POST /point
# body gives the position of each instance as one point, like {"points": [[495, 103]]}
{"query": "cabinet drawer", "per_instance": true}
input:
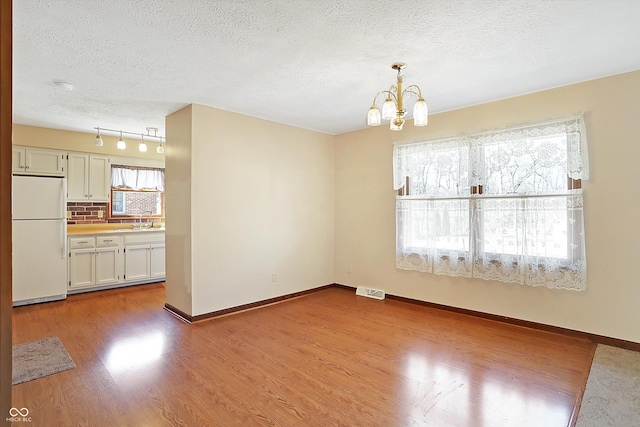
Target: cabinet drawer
{"points": [[144, 238], [104, 241], [82, 242]]}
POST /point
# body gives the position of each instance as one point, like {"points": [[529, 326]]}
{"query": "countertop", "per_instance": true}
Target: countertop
{"points": [[83, 229]]}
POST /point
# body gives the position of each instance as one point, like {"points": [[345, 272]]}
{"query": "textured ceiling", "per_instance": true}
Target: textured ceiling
{"points": [[312, 64]]}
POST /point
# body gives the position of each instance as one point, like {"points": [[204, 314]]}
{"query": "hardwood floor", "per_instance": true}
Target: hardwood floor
{"points": [[326, 359]]}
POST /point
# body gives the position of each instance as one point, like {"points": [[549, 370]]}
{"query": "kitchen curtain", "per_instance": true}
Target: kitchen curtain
{"points": [[503, 205], [137, 178]]}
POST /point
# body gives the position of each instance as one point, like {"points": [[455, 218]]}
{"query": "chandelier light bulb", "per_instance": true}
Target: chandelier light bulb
{"points": [[373, 118], [389, 109], [420, 113]]}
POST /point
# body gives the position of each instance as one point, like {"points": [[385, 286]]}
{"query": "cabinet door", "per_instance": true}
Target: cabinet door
{"points": [[157, 261], [136, 262], [99, 178], [78, 177], [81, 268], [44, 162], [18, 164], [107, 266]]}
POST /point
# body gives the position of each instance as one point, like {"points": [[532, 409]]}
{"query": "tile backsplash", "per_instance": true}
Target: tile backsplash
{"points": [[96, 213]]}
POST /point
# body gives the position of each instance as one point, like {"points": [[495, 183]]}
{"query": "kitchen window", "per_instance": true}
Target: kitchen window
{"points": [[503, 205], [136, 190]]}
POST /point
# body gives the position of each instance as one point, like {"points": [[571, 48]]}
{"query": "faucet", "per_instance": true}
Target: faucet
{"points": [[142, 213]]}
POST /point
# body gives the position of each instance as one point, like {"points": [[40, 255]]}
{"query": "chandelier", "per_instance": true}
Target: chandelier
{"points": [[393, 107]]}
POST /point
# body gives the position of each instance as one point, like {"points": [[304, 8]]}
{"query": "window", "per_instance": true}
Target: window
{"points": [[136, 190], [126, 203], [118, 203], [504, 205]]}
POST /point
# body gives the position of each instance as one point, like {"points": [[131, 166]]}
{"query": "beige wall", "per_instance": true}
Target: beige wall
{"points": [[178, 186], [32, 136], [262, 203], [365, 216]]}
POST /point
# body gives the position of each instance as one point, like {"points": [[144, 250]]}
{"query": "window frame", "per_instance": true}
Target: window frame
{"points": [[131, 186]]}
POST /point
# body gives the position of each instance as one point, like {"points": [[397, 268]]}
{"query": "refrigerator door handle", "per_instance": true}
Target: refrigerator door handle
{"points": [[63, 197], [63, 223], [63, 217]]}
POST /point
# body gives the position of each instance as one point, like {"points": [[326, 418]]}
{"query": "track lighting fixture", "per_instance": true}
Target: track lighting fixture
{"points": [[142, 147]]}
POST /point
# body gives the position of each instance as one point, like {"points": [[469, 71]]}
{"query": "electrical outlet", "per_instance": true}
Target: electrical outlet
{"points": [[68, 214], [100, 214], [349, 269], [274, 277]]}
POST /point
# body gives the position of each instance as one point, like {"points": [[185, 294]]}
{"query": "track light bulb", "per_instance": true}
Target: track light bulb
{"points": [[98, 141], [121, 145]]}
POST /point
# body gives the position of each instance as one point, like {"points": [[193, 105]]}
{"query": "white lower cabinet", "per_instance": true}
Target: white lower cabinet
{"points": [[82, 264], [94, 261], [144, 256], [137, 262], [108, 265], [111, 260], [157, 268]]}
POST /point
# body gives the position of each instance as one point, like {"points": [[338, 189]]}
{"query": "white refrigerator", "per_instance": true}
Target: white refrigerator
{"points": [[39, 239]]}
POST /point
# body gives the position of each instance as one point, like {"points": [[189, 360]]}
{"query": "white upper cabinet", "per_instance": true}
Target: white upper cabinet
{"points": [[38, 161], [99, 178], [78, 177], [88, 177]]}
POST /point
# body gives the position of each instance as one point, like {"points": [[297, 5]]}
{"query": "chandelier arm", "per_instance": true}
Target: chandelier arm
{"points": [[388, 92], [409, 90]]}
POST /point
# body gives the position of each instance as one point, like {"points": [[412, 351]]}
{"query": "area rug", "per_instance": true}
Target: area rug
{"points": [[612, 395], [38, 359]]}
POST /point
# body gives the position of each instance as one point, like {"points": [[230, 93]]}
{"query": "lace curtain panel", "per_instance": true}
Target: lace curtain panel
{"points": [[137, 179], [504, 205]]}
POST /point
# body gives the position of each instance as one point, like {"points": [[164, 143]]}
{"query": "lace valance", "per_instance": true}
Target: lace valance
{"points": [[539, 141]]}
